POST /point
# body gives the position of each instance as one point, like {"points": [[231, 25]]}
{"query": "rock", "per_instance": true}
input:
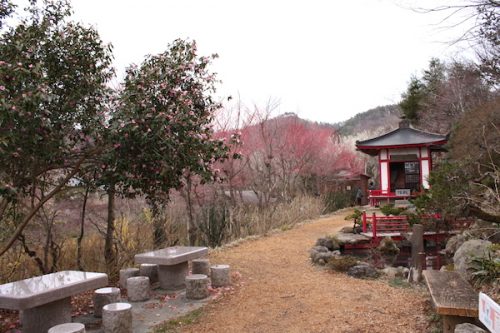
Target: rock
{"points": [[474, 248], [468, 328], [363, 271], [454, 243], [329, 242], [347, 230], [321, 262], [325, 256], [391, 272], [320, 248]]}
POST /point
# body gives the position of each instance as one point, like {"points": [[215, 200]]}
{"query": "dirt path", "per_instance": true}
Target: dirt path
{"points": [[282, 291]]}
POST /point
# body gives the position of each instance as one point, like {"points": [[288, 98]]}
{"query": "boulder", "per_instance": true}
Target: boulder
{"points": [[469, 250], [468, 328], [363, 271], [390, 272], [329, 242], [347, 230], [454, 243]]}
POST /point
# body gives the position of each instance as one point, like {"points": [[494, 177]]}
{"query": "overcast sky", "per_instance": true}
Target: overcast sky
{"points": [[324, 60]]}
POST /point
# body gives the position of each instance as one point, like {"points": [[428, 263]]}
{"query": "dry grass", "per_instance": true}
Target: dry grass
{"points": [[134, 232]]}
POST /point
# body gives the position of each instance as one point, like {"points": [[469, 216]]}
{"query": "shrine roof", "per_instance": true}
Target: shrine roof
{"points": [[404, 136]]}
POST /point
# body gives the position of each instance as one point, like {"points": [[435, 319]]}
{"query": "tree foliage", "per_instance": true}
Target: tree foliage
{"points": [[53, 76]]}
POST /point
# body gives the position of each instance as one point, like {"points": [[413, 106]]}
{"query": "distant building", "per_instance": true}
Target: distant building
{"points": [[405, 161]]}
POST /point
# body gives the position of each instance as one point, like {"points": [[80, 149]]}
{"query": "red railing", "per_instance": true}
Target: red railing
{"points": [[375, 196], [377, 224]]}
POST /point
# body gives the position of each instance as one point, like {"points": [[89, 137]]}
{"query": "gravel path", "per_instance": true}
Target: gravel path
{"points": [[281, 291]]}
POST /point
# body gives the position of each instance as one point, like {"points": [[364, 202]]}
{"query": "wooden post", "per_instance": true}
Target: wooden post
{"points": [[364, 221], [374, 226]]}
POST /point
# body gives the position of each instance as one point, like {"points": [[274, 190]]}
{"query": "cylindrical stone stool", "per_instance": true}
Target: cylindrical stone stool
{"points": [[138, 288], [117, 318], [201, 266], [196, 286], [220, 275], [104, 296], [149, 270], [68, 328], [125, 274]]}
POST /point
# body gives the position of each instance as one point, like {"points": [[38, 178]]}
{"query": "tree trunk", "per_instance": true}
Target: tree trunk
{"points": [[191, 228], [109, 252], [159, 235], [79, 240]]}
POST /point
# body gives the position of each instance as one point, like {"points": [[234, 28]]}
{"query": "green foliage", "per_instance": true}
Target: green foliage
{"points": [[388, 247], [399, 283], [214, 223], [162, 129], [412, 99], [485, 269], [391, 210], [336, 200], [356, 217], [342, 264]]}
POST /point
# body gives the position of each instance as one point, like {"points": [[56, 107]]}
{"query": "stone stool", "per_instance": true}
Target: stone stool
{"points": [[196, 286], [138, 288], [104, 296], [117, 318], [68, 328], [149, 270], [201, 266], [125, 274], [220, 276]]}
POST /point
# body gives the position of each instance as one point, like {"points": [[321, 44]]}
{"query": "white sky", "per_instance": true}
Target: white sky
{"points": [[324, 60]]}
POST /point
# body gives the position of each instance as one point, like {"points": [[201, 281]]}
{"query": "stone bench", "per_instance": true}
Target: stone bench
{"points": [[173, 264], [68, 328], [117, 318], [104, 296], [127, 273], [197, 286], [45, 301], [138, 288], [453, 298], [219, 274]]}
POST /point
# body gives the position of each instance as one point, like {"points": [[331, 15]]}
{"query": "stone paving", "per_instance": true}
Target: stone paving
{"points": [[162, 307]]}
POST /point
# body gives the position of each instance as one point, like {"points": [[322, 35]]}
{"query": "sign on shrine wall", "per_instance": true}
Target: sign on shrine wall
{"points": [[404, 192], [489, 313]]}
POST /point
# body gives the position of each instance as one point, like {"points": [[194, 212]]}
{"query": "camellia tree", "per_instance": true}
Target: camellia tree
{"points": [[53, 76], [161, 131]]}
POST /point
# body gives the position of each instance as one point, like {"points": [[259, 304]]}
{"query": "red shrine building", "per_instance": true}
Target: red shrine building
{"points": [[405, 161]]}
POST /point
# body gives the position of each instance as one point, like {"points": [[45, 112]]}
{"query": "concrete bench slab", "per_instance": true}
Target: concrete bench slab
{"points": [[46, 300], [172, 263]]}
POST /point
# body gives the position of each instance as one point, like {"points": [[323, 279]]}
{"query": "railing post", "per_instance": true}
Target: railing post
{"points": [[364, 221], [374, 226]]}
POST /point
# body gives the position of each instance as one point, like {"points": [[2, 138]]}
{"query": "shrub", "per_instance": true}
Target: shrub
{"points": [[342, 264], [356, 218], [388, 247], [391, 210], [485, 270]]}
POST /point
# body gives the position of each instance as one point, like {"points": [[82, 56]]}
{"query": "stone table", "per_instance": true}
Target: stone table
{"points": [[172, 263], [46, 300]]}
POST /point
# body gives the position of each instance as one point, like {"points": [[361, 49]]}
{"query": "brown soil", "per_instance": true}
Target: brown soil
{"points": [[281, 291]]}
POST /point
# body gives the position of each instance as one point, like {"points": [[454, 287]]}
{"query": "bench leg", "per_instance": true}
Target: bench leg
{"points": [[43, 317], [449, 322], [173, 277]]}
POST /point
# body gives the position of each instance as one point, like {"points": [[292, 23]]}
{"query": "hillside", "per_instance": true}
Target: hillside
{"points": [[379, 119]]}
